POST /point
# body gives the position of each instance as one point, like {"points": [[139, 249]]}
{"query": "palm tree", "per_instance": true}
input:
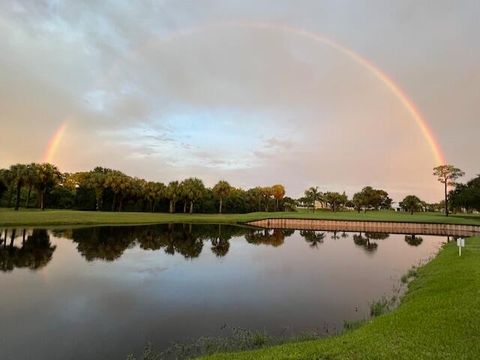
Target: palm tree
{"points": [[118, 182], [193, 190], [267, 193], [173, 193], [152, 194], [30, 180], [158, 193], [312, 195], [96, 180], [254, 198], [47, 176], [127, 188], [18, 172], [138, 191], [183, 194], [221, 190], [278, 191]]}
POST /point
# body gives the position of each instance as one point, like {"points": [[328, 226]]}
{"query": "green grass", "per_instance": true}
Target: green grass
{"points": [[439, 318], [9, 217]]}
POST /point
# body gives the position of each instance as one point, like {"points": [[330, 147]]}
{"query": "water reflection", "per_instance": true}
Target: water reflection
{"points": [[368, 241], [109, 243], [34, 251], [413, 240], [314, 238], [275, 237], [118, 288]]}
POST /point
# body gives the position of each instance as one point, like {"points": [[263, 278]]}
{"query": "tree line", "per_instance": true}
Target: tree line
{"points": [[106, 189], [103, 189], [367, 199]]}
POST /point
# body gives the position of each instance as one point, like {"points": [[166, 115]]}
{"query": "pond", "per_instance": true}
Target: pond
{"points": [[105, 292]]}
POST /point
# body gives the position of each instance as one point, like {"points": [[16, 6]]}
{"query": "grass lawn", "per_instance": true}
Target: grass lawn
{"points": [[9, 217], [439, 318]]}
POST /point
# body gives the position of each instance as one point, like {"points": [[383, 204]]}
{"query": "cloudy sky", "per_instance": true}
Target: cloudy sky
{"points": [[233, 90]]}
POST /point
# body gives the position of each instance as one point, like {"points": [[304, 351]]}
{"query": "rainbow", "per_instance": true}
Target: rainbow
{"points": [[366, 64], [54, 142]]}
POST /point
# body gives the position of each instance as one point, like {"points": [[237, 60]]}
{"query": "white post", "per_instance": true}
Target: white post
{"points": [[460, 244]]}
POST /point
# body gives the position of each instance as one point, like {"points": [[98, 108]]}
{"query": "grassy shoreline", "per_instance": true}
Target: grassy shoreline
{"points": [[439, 318], [48, 218]]}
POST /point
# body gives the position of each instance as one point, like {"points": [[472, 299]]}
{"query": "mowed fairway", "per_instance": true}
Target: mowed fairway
{"points": [[439, 318], [9, 217]]}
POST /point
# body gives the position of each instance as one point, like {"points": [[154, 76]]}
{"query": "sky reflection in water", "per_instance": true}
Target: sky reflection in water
{"points": [[103, 292]]}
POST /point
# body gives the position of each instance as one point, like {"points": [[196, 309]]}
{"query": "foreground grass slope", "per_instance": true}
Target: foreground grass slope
{"points": [[439, 318], [71, 217]]}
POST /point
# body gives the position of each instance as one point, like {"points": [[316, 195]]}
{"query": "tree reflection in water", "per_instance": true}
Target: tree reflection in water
{"points": [[365, 240], [34, 252], [314, 238], [275, 237], [109, 243], [220, 242], [33, 249], [413, 240]]}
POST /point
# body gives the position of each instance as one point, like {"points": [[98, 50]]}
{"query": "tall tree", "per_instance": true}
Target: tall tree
{"points": [[254, 199], [118, 182], [267, 194], [173, 193], [193, 190], [47, 176], [30, 180], [18, 172], [278, 191], [221, 191], [154, 192], [447, 174], [183, 196], [96, 180]]}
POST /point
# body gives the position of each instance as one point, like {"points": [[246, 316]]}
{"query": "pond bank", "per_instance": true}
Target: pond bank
{"points": [[439, 318], [392, 227]]}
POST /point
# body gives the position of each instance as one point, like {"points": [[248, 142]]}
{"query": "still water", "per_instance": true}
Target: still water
{"points": [[104, 292]]}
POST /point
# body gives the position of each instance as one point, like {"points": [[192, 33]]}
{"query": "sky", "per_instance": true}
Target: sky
{"points": [[235, 90]]}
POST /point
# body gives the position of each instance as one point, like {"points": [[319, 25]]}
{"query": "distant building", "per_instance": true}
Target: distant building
{"points": [[320, 205]]}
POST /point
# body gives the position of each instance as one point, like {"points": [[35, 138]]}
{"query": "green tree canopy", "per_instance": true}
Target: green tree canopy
{"points": [[335, 200], [222, 190], [411, 203]]}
